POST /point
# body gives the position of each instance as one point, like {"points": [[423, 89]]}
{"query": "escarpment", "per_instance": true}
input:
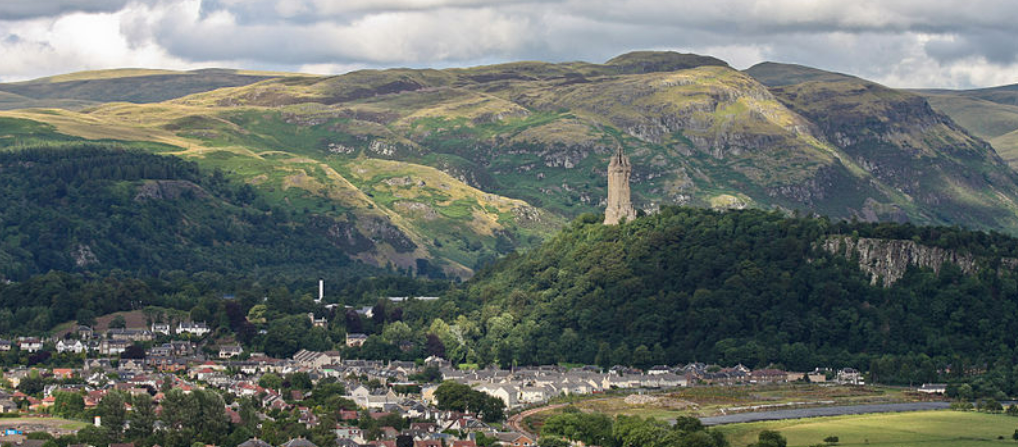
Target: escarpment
{"points": [[890, 258]]}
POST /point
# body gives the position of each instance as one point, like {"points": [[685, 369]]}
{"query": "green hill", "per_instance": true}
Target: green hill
{"points": [[775, 74], [98, 207], [80, 90], [933, 165], [454, 167], [746, 287], [990, 114]]}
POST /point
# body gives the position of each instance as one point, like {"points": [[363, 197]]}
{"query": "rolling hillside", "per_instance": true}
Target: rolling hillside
{"points": [[449, 168], [79, 90], [931, 164], [990, 114]]}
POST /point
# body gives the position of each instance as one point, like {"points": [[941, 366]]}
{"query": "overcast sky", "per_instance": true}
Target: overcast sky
{"points": [[901, 43]]}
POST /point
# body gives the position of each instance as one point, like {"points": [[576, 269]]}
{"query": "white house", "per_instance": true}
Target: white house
{"points": [[199, 328], [30, 344], [352, 433], [230, 351], [162, 328], [933, 388], [850, 376], [75, 346], [509, 394], [113, 347]]}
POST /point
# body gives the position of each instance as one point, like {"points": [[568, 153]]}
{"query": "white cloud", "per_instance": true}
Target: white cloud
{"points": [[78, 41], [903, 43]]}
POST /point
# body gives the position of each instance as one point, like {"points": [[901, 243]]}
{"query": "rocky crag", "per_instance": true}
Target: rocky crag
{"points": [[887, 260]]}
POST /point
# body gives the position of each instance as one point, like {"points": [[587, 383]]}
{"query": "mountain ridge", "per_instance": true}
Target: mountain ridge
{"points": [[469, 163]]}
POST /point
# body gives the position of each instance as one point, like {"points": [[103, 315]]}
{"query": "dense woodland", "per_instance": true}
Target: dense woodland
{"points": [[678, 286], [93, 207], [744, 287]]}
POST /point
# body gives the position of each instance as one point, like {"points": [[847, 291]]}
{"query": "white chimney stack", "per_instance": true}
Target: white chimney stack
{"points": [[321, 289]]}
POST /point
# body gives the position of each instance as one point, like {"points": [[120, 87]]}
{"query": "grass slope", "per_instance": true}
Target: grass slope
{"points": [[976, 111], [930, 168], [916, 429], [83, 89], [423, 214], [1007, 146], [774, 74], [523, 146]]}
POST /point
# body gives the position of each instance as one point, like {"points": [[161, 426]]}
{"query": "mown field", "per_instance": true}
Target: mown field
{"points": [[925, 428]]}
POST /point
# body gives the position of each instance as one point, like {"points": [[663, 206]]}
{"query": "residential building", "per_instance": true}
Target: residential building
{"points": [[30, 344], [515, 439], [355, 340], [933, 388], [165, 329], [130, 334], [230, 351], [75, 346], [199, 328]]}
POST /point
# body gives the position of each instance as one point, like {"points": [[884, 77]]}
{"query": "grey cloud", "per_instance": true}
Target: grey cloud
{"points": [[310, 11], [871, 38], [20, 10], [996, 46]]}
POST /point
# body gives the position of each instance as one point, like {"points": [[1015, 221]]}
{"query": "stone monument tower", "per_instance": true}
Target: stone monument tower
{"points": [[619, 204]]}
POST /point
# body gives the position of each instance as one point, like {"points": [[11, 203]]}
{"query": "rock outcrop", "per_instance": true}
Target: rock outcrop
{"points": [[890, 258]]}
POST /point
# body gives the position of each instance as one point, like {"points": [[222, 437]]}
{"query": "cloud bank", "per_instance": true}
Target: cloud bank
{"points": [[903, 43]]}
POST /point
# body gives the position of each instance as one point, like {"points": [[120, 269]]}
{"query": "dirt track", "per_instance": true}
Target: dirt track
{"points": [[516, 421]]}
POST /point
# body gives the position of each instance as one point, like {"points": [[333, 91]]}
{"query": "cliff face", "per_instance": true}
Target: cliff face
{"points": [[890, 258]]}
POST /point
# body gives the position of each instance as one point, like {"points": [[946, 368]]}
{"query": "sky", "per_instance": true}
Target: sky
{"points": [[900, 43]]}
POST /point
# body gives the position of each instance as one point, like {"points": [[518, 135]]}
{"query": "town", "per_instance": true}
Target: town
{"points": [[399, 397]]}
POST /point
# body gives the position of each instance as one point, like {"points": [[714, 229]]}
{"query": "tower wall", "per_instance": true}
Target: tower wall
{"points": [[619, 201]]}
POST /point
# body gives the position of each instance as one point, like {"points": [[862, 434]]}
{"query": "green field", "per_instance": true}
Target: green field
{"points": [[42, 423], [925, 428]]}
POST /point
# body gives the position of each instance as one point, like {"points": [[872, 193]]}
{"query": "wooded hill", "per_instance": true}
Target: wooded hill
{"points": [[97, 207], [747, 287]]}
